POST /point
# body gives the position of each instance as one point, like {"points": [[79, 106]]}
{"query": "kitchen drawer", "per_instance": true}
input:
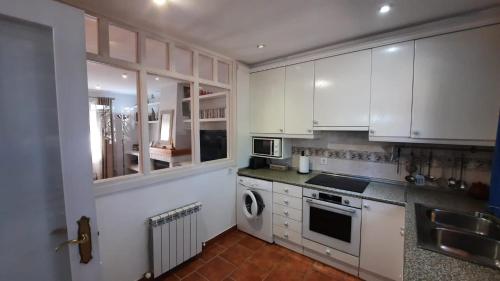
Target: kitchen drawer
{"points": [[287, 189], [287, 212], [289, 201], [287, 223], [287, 234], [330, 253]]}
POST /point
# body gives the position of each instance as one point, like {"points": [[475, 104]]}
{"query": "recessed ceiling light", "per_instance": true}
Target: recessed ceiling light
{"points": [[160, 2], [98, 87], [157, 78], [260, 46], [124, 76], [385, 9]]}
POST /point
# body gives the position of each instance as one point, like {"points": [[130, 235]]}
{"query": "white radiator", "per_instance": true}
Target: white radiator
{"points": [[174, 237]]}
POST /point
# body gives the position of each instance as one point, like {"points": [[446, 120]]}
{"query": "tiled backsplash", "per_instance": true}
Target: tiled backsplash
{"points": [[352, 153]]}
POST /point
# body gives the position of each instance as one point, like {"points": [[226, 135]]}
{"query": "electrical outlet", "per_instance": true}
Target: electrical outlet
{"points": [[323, 161]]}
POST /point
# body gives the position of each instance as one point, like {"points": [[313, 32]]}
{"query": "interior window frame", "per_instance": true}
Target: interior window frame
{"points": [[147, 175]]}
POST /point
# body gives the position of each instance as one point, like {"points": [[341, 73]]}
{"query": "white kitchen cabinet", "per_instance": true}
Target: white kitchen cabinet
{"points": [[299, 90], [456, 92], [382, 241], [342, 92], [391, 90], [267, 94]]}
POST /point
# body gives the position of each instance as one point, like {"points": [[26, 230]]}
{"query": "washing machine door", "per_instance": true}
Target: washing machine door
{"points": [[253, 205]]}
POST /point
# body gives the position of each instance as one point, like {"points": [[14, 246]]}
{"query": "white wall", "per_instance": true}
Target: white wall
{"points": [[243, 139], [122, 218]]}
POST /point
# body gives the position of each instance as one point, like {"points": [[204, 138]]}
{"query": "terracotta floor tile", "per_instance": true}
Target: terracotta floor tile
{"points": [[249, 272], [252, 243], [169, 277], [211, 251], [217, 269], [230, 238], [236, 254], [194, 277], [314, 275], [189, 267], [329, 271]]}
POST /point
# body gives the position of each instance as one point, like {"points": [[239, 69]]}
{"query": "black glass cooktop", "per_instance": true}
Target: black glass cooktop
{"points": [[343, 183]]}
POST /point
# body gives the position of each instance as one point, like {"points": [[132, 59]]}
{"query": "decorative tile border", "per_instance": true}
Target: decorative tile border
{"points": [[379, 157]]}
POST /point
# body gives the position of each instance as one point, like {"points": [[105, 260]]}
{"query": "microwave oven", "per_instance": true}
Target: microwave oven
{"points": [[271, 147]]}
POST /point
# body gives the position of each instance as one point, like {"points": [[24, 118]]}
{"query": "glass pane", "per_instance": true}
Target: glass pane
{"points": [[223, 72], [114, 130], [339, 226], [91, 34], [205, 66], [122, 44], [32, 209], [156, 54], [183, 60], [213, 123], [169, 115]]}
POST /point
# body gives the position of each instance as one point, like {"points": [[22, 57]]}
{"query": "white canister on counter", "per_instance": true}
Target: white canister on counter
{"points": [[304, 164]]}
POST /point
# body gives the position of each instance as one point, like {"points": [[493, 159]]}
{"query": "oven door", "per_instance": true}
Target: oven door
{"points": [[332, 225], [263, 147]]}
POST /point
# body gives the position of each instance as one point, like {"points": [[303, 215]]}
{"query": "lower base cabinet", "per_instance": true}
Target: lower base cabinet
{"points": [[382, 241]]}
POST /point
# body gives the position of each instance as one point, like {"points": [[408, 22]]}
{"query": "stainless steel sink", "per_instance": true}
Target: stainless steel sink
{"points": [[473, 237], [478, 223]]}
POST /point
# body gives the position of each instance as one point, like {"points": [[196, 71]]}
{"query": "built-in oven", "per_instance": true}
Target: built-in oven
{"points": [[332, 220], [267, 147]]}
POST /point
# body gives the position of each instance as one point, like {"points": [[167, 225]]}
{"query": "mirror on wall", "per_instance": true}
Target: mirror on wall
{"points": [[113, 117], [169, 122]]}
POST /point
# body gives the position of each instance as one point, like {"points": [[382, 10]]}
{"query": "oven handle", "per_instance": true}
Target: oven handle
{"points": [[311, 201]]}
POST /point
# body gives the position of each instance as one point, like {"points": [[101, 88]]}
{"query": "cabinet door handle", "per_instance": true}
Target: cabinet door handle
{"points": [[328, 252], [416, 133], [286, 190], [372, 132], [286, 202], [286, 235], [281, 130], [366, 206], [286, 213], [286, 224], [402, 232], [315, 122]]}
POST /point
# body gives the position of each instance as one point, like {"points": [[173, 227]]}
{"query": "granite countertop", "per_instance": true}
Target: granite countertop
{"points": [[384, 192], [420, 264]]}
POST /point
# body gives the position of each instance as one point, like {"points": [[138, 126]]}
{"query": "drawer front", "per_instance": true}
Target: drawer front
{"points": [[287, 189], [289, 201], [330, 253], [288, 235], [287, 212], [287, 223]]}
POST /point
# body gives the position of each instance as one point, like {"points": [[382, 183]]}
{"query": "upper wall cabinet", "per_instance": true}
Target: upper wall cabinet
{"points": [[299, 90], [391, 90], [456, 92], [267, 96], [342, 92]]}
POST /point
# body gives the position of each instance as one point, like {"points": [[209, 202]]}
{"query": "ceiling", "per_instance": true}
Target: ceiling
{"points": [[235, 27], [106, 78]]}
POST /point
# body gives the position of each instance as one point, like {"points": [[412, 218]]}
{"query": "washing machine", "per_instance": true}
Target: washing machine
{"points": [[254, 208]]}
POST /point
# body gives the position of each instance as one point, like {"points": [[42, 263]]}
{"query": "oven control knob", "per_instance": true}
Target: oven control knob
{"points": [[346, 202], [314, 195]]}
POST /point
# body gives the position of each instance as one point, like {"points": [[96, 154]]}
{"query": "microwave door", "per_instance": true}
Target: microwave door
{"points": [[263, 147]]}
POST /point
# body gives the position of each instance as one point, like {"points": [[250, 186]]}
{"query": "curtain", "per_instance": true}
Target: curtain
{"points": [[101, 137]]}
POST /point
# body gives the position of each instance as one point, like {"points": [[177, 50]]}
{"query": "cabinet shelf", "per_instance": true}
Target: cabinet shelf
{"points": [[213, 96], [213, 120]]}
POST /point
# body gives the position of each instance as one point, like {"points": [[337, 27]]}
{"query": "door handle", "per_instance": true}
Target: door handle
{"points": [[84, 239]]}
